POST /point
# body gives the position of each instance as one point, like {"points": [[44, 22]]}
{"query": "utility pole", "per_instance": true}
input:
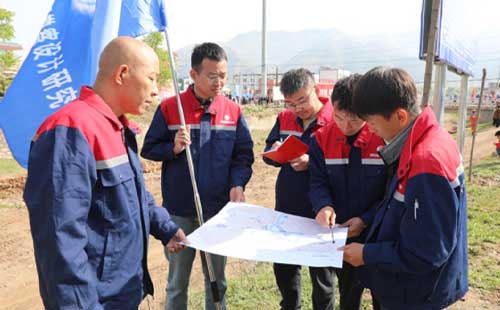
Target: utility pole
{"points": [[431, 51], [477, 121], [264, 52]]}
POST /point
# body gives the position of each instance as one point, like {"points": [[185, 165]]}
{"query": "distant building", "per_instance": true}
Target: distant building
{"points": [[10, 46], [248, 85], [329, 75]]}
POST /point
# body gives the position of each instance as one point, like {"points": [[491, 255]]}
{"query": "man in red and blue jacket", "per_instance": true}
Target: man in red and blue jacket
{"points": [[415, 256], [305, 114], [90, 213], [222, 151], [347, 180]]}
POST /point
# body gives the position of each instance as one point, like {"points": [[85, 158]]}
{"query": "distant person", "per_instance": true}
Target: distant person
{"points": [[473, 121], [496, 117], [219, 139], [90, 213], [497, 144], [305, 114], [415, 255], [347, 181]]}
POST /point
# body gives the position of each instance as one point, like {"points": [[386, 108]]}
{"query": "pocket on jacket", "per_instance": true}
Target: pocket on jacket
{"points": [[116, 193], [223, 143], [114, 176]]}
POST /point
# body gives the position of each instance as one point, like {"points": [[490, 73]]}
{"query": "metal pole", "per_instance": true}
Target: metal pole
{"points": [[431, 51], [462, 112], [264, 52], [197, 200], [474, 132], [439, 91]]}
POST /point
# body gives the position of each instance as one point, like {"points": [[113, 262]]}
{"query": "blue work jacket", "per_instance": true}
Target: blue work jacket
{"points": [[90, 213], [223, 161], [416, 250], [351, 179]]}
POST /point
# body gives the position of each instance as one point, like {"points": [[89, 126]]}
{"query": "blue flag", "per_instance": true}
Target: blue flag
{"points": [[65, 57]]}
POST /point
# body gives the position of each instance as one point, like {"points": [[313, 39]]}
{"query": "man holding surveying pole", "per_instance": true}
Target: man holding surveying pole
{"points": [[214, 140]]}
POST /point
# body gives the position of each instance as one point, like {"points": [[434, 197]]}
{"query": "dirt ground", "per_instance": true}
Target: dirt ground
{"points": [[18, 277]]}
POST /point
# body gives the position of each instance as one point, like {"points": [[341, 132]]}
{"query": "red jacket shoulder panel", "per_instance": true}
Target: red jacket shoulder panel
{"points": [[103, 136]]}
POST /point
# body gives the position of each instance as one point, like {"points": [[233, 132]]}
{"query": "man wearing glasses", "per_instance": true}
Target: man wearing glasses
{"points": [[222, 152], [305, 114], [347, 181]]}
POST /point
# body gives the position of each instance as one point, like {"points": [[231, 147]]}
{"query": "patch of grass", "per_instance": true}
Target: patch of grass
{"points": [[256, 288], [9, 206], [10, 167], [487, 168], [261, 110], [483, 232], [259, 140], [253, 288]]}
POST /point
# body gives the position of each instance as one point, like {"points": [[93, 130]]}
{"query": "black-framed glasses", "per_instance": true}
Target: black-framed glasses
{"points": [[300, 103]]}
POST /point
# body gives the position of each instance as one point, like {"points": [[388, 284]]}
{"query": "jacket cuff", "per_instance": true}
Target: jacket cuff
{"points": [[373, 253], [318, 205], [169, 229], [368, 217]]}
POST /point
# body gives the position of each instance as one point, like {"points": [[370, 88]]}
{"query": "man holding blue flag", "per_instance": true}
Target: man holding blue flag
{"points": [[90, 213]]}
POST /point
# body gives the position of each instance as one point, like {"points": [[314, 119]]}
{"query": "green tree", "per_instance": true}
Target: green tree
{"points": [[7, 58], [155, 40], [6, 28]]}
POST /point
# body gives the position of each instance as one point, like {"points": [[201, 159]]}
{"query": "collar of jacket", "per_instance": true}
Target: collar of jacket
{"points": [[325, 114], [95, 101], [392, 151], [203, 102], [423, 125], [194, 102], [362, 139]]}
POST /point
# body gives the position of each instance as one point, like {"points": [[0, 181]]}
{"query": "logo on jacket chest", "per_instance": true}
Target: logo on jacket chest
{"points": [[227, 120]]}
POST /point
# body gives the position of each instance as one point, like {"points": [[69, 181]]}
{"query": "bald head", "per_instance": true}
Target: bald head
{"points": [[123, 51], [128, 70]]}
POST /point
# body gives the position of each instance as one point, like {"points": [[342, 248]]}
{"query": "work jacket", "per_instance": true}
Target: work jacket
{"points": [[90, 213]]}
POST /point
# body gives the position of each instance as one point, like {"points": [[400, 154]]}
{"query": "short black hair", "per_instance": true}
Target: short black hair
{"points": [[208, 50], [342, 92], [294, 80], [383, 90], [497, 133]]}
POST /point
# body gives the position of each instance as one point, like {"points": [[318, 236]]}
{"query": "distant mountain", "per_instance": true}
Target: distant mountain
{"points": [[330, 47]]}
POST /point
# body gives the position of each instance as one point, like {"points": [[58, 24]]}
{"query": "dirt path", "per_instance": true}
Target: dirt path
{"points": [[483, 146], [19, 282]]}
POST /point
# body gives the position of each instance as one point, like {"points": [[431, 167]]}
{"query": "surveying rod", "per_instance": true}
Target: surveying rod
{"points": [[197, 201]]}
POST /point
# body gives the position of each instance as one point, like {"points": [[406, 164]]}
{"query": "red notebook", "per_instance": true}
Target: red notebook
{"points": [[291, 148]]}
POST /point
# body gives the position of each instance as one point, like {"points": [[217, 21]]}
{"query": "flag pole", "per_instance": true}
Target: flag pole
{"points": [[197, 200]]}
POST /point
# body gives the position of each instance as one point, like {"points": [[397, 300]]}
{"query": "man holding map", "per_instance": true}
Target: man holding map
{"points": [[305, 114], [347, 180]]}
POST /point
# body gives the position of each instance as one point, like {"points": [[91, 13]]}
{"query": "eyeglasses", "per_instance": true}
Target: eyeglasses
{"points": [[301, 103], [215, 78]]}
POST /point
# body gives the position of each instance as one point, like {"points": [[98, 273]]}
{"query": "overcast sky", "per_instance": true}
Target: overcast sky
{"points": [[194, 21]]}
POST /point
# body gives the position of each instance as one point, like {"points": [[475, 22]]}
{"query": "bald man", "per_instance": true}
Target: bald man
{"points": [[90, 213]]}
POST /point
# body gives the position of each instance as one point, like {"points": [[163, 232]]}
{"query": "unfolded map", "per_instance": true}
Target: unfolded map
{"points": [[256, 233]]}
